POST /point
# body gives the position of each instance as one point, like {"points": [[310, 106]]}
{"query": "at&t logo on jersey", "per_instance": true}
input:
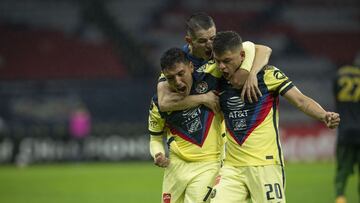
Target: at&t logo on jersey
{"points": [[201, 87], [235, 103]]}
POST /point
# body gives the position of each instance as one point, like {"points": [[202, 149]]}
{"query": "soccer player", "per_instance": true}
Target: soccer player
{"points": [[253, 167], [200, 33], [193, 135], [347, 92]]}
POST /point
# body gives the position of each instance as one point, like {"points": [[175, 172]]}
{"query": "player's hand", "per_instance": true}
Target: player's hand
{"points": [[161, 160], [211, 100], [332, 120], [251, 89]]}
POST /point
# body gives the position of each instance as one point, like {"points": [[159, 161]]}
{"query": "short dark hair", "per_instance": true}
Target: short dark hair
{"points": [[171, 57], [225, 41], [198, 21]]}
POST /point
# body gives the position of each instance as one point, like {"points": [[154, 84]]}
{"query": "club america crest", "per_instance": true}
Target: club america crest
{"points": [[201, 87]]}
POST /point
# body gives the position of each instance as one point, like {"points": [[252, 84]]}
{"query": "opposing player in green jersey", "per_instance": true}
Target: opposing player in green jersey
{"points": [[347, 92], [193, 135], [253, 167]]}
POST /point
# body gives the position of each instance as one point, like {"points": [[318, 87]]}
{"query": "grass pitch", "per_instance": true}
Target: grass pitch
{"points": [[140, 183]]}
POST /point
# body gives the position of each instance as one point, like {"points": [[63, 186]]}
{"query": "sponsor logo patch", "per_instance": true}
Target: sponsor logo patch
{"points": [[235, 103], [166, 197], [153, 124], [194, 125], [239, 124], [191, 113]]}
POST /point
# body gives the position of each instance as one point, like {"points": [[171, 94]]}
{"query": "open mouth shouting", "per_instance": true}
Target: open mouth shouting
{"points": [[181, 90], [226, 75], [208, 53]]}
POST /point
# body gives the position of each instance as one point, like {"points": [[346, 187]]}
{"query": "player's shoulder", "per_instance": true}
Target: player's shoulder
{"points": [[269, 68], [211, 68], [154, 104], [272, 71]]}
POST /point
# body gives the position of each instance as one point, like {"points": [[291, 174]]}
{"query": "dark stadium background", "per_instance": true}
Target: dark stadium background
{"points": [[102, 57]]}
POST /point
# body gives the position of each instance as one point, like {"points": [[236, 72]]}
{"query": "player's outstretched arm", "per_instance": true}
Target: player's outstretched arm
{"points": [[312, 108], [172, 101], [250, 88]]}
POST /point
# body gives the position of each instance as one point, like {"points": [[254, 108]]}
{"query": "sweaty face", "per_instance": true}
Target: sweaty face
{"points": [[201, 43], [229, 62], [180, 78]]}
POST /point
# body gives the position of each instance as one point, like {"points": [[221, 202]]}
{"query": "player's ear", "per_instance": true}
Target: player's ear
{"points": [[242, 54], [191, 67]]}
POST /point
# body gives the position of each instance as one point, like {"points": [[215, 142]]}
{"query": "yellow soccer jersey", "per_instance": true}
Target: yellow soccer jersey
{"points": [[192, 134], [252, 129], [183, 147], [249, 49]]}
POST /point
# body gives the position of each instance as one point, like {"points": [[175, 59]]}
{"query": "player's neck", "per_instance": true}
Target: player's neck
{"points": [[191, 51]]}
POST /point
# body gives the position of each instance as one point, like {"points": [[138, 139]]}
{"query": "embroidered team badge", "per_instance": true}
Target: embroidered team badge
{"points": [[166, 197], [201, 87]]}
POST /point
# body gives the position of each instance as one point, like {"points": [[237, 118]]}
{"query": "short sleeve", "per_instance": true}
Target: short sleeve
{"points": [[277, 81], [156, 123]]}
